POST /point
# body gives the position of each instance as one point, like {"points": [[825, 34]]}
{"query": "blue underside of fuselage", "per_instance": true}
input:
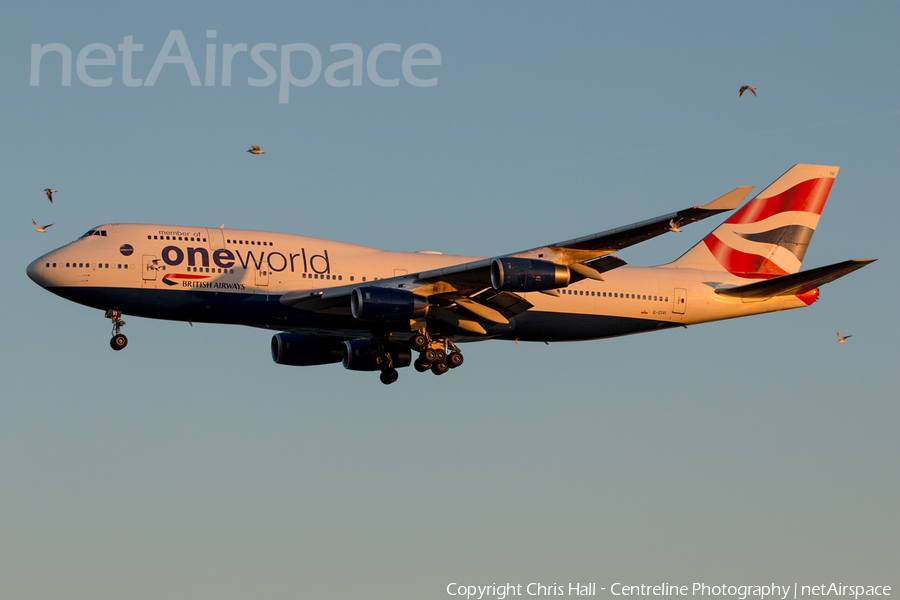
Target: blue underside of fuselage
{"points": [[262, 310]]}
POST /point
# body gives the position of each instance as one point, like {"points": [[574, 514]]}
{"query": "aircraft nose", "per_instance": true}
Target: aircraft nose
{"points": [[34, 271]]}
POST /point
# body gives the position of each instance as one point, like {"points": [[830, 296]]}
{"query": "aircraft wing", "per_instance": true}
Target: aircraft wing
{"points": [[462, 295], [587, 255], [600, 244]]}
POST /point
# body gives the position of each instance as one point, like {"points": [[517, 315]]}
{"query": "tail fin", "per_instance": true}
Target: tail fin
{"points": [[768, 237]]}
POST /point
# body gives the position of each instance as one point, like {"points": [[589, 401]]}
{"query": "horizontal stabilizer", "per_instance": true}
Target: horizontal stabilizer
{"points": [[796, 283]]}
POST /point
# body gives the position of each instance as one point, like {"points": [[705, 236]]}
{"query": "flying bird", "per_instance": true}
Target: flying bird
{"points": [[255, 149], [744, 88], [40, 229], [673, 226], [842, 339], [49, 193]]}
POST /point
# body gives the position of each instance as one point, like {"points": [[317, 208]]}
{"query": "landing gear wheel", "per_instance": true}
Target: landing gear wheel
{"points": [[419, 341], [389, 376], [439, 368], [118, 341], [441, 356], [454, 360], [421, 365], [430, 356]]}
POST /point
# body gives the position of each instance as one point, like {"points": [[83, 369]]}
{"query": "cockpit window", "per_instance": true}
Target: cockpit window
{"points": [[101, 232]]}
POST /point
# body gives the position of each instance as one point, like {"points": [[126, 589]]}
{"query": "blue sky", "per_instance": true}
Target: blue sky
{"points": [[192, 466]]}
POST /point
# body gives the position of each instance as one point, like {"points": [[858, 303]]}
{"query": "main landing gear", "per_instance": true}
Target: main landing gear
{"points": [[436, 354], [118, 340]]}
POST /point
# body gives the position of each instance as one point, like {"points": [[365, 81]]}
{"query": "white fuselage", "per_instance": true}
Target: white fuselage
{"points": [[237, 276]]}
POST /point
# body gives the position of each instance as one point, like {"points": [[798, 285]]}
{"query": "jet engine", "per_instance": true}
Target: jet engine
{"points": [[364, 355], [386, 304], [527, 275], [305, 350]]}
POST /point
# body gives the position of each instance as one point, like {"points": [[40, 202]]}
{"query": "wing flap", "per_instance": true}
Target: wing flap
{"points": [[452, 318]]}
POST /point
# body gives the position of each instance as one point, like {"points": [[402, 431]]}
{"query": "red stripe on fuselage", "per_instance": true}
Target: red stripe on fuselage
{"points": [[186, 277]]}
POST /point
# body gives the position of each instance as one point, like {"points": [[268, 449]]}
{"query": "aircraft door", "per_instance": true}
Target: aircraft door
{"points": [[149, 267], [262, 275], [680, 301], [216, 238]]}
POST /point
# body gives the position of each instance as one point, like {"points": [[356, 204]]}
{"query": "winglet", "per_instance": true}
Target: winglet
{"points": [[731, 200]]}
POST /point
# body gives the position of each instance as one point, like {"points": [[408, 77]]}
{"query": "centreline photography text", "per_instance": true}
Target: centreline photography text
{"points": [[740, 591]]}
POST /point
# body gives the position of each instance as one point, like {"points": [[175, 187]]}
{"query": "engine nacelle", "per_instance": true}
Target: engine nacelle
{"points": [[363, 355], [305, 350], [386, 304], [527, 275]]}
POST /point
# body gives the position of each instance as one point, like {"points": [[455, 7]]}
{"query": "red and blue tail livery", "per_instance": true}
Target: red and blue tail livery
{"points": [[769, 236], [375, 310]]}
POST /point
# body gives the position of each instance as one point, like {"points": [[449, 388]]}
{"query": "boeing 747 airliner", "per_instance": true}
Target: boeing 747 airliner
{"points": [[371, 310]]}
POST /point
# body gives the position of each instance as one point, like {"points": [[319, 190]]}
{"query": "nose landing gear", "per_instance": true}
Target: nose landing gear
{"points": [[118, 340]]}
